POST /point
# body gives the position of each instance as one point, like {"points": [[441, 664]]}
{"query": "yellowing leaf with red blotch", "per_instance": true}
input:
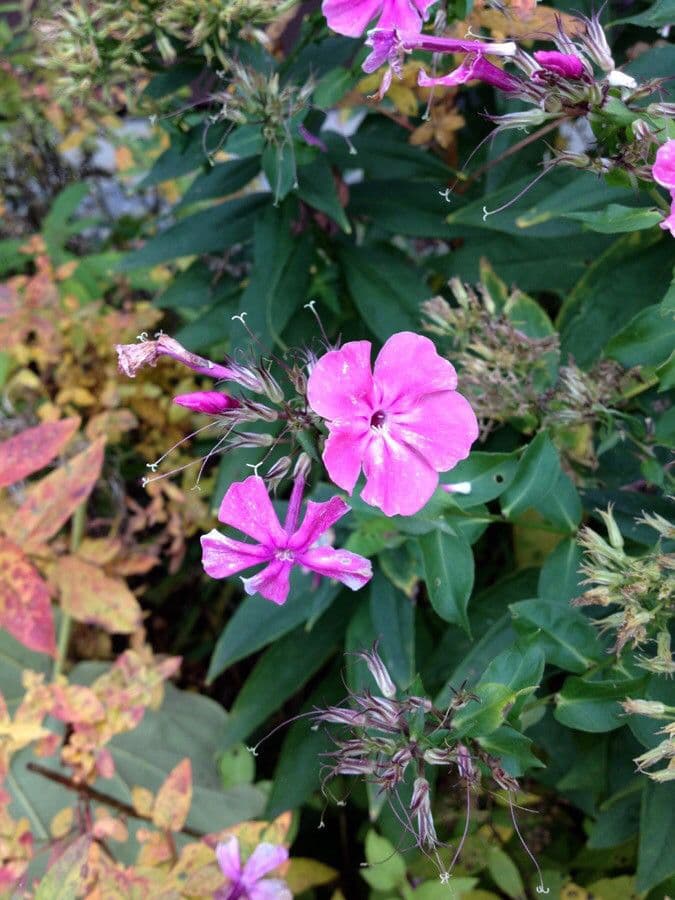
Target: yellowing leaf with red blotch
{"points": [[76, 704], [90, 596], [25, 608], [53, 500], [172, 803], [142, 800], [34, 448]]}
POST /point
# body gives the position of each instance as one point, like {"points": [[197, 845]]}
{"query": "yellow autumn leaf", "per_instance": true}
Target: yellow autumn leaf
{"points": [[62, 822], [303, 874], [90, 596], [172, 803], [142, 800]]}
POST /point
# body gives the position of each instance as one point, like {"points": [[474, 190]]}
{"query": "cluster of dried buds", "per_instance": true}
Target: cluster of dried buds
{"points": [[665, 750], [393, 738], [640, 588], [232, 414]]}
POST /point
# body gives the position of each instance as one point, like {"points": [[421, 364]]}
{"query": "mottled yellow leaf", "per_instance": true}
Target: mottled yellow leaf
{"points": [[173, 800], [90, 596]]}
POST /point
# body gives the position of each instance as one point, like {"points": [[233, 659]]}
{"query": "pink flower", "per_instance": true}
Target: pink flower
{"points": [[402, 423], [352, 17], [564, 64], [663, 169], [247, 507], [668, 224], [248, 882], [213, 403], [474, 66]]}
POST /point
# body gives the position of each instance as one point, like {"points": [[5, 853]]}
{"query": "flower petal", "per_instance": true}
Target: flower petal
{"points": [[227, 854], [273, 583], [351, 569], [340, 384], [441, 427], [398, 480], [350, 17], [223, 556], [663, 170], [318, 519], [270, 889], [247, 507], [409, 366], [343, 452], [264, 859], [406, 15]]}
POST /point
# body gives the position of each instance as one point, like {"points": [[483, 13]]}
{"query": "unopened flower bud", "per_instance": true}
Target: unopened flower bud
{"points": [[247, 440], [303, 467], [652, 708], [438, 756], [621, 79], [379, 672], [279, 470], [212, 403], [271, 388], [615, 536], [567, 65], [420, 805], [261, 411]]}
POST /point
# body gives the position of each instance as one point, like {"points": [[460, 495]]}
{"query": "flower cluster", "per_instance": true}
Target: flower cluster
{"points": [[402, 423], [665, 750], [642, 589], [396, 736]]}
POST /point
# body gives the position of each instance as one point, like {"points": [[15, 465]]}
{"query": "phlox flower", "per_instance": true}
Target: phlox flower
{"points": [[567, 65], [663, 169], [352, 17], [401, 422], [247, 507], [668, 224], [211, 403], [474, 67], [248, 882]]}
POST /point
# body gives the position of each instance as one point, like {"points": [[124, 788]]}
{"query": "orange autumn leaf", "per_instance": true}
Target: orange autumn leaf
{"points": [[53, 500], [172, 803], [25, 608], [34, 448], [90, 596], [526, 23]]}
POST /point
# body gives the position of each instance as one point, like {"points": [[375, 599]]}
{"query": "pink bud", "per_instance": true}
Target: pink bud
{"points": [[213, 403], [564, 64]]}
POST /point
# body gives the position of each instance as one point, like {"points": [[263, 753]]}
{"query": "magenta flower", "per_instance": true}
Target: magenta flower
{"points": [[212, 403], [668, 224], [473, 67], [567, 65], [248, 882], [402, 422], [663, 169], [247, 507], [352, 17]]}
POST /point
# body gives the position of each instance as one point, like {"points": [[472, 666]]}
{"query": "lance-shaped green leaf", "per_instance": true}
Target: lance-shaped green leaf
{"points": [[449, 574]]}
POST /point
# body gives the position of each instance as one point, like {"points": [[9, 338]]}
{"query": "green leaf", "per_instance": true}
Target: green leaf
{"points": [[538, 471], [565, 635], [449, 575], [280, 672], [210, 231], [649, 337], [512, 748], [619, 817], [279, 166], [188, 151], [504, 873], [613, 291], [656, 861], [489, 475], [562, 505], [560, 579], [251, 627], [616, 219], [594, 706], [221, 180], [393, 618], [387, 868], [659, 14], [316, 186], [280, 276], [386, 287]]}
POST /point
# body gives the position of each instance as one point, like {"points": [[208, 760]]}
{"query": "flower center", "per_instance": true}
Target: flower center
{"points": [[284, 555], [378, 419]]}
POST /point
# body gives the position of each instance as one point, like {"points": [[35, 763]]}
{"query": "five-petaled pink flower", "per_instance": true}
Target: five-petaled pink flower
{"points": [[663, 169], [352, 17], [248, 882], [402, 422], [247, 507]]}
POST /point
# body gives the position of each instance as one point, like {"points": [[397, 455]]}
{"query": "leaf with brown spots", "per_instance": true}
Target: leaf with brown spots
{"points": [[25, 609], [34, 448], [90, 596], [172, 803], [53, 500]]}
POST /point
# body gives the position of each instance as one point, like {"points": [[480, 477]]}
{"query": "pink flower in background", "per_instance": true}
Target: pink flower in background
{"points": [[663, 169], [352, 17], [212, 403], [402, 422], [668, 224], [247, 507], [248, 882], [564, 64]]}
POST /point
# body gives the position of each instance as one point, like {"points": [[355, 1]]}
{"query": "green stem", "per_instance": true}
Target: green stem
{"points": [[660, 201], [65, 627]]}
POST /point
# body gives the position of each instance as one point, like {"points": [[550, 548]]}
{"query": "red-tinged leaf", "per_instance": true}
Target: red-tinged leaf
{"points": [[25, 609], [89, 595], [53, 500], [34, 448], [76, 704], [172, 803]]}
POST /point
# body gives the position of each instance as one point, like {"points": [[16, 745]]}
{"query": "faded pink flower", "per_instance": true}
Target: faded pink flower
{"points": [[668, 224], [663, 169], [248, 882], [402, 422], [352, 17], [212, 403], [567, 65], [247, 507], [133, 357]]}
